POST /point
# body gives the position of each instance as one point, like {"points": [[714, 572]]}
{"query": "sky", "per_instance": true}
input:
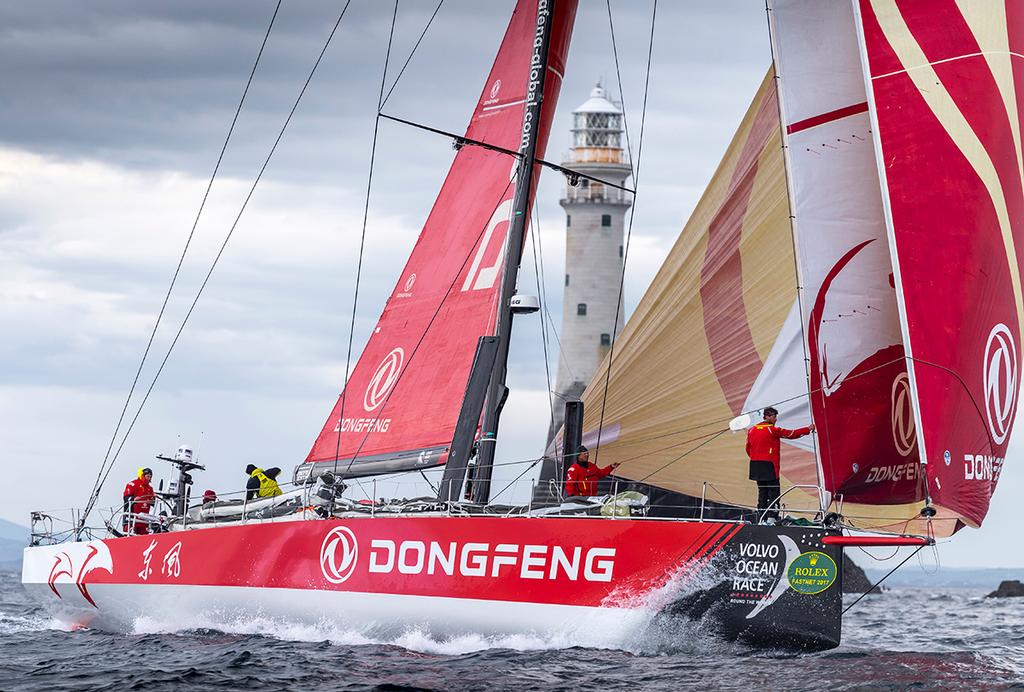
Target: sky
{"points": [[111, 118]]}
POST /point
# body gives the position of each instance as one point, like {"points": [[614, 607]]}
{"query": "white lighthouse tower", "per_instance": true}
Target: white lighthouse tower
{"points": [[594, 221]]}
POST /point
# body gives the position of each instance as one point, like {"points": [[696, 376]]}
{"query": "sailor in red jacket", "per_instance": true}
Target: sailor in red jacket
{"points": [[138, 499], [582, 477], [763, 442]]}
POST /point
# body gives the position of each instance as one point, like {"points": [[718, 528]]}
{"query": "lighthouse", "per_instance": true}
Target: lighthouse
{"points": [[592, 310]]}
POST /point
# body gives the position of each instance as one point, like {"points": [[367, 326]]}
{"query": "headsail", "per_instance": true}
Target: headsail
{"points": [[718, 322], [946, 89], [400, 405], [859, 386]]}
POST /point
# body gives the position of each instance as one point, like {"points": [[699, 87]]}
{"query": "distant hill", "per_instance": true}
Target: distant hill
{"points": [[13, 539], [912, 576], [13, 532]]}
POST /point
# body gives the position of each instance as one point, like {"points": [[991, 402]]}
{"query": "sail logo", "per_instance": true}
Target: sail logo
{"points": [[384, 379], [495, 88], [484, 277], [338, 554], [410, 281], [904, 433], [999, 382]]}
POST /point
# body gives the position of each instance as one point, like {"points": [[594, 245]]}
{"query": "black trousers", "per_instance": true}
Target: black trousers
{"points": [[767, 494]]}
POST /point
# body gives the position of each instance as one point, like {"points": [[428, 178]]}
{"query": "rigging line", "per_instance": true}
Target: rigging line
{"points": [[462, 140], [632, 209], [362, 237], [562, 358], [516, 479], [888, 574], [684, 454], [672, 446], [227, 238], [537, 271], [413, 52], [550, 322], [184, 251], [426, 329], [819, 467], [781, 402]]}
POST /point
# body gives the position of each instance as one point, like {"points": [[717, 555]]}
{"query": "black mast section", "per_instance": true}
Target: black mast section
{"points": [[496, 390]]}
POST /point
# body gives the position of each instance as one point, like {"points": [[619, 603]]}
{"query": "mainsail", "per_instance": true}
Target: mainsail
{"points": [[399, 407], [946, 90]]}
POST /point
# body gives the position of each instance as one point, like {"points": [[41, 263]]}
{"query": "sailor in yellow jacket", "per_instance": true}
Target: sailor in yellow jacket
{"points": [[261, 483]]}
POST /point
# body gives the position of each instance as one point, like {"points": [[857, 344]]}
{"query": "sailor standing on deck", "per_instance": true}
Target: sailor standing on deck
{"points": [[582, 477], [763, 449], [138, 499]]}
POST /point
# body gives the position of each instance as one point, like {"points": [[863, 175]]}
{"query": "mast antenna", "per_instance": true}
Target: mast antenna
{"points": [[497, 392]]}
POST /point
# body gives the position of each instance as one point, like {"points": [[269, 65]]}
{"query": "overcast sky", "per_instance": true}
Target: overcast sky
{"points": [[111, 118]]}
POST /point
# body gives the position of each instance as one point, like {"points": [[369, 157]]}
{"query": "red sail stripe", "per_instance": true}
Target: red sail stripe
{"points": [[730, 341], [822, 118]]}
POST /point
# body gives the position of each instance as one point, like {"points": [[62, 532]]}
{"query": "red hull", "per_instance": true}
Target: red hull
{"points": [[551, 568]]}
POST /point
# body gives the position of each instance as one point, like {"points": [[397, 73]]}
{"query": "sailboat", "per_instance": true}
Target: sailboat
{"points": [[853, 262]]}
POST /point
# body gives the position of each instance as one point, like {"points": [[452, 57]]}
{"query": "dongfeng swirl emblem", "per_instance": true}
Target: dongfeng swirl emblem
{"points": [[338, 554], [384, 379], [1000, 382], [903, 430]]}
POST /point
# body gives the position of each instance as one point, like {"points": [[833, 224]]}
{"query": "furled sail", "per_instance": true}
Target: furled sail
{"points": [[946, 90], [719, 321], [860, 393], [399, 408]]}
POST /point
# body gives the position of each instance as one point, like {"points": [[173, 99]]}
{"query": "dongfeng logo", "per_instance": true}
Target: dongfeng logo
{"points": [[338, 555], [495, 88], [902, 414], [410, 281], [384, 379], [1000, 382]]}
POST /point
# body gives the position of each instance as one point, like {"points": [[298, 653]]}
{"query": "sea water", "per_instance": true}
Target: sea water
{"points": [[906, 638]]}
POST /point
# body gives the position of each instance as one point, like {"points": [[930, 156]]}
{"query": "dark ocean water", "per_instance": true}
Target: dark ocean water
{"points": [[917, 639]]}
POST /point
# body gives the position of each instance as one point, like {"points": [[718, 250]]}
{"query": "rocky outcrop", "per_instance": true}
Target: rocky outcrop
{"points": [[854, 579], [1008, 589]]}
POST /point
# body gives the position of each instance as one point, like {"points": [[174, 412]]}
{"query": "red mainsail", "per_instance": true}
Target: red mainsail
{"points": [[946, 90], [401, 403]]}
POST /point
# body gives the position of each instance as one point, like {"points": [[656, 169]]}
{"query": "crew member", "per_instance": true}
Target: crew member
{"points": [[763, 450], [582, 477], [138, 499], [261, 483]]}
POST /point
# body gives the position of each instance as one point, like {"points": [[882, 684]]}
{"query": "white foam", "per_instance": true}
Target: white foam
{"points": [[12, 624]]}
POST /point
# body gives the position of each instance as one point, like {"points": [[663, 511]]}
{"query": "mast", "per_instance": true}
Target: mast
{"points": [[497, 392]]}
